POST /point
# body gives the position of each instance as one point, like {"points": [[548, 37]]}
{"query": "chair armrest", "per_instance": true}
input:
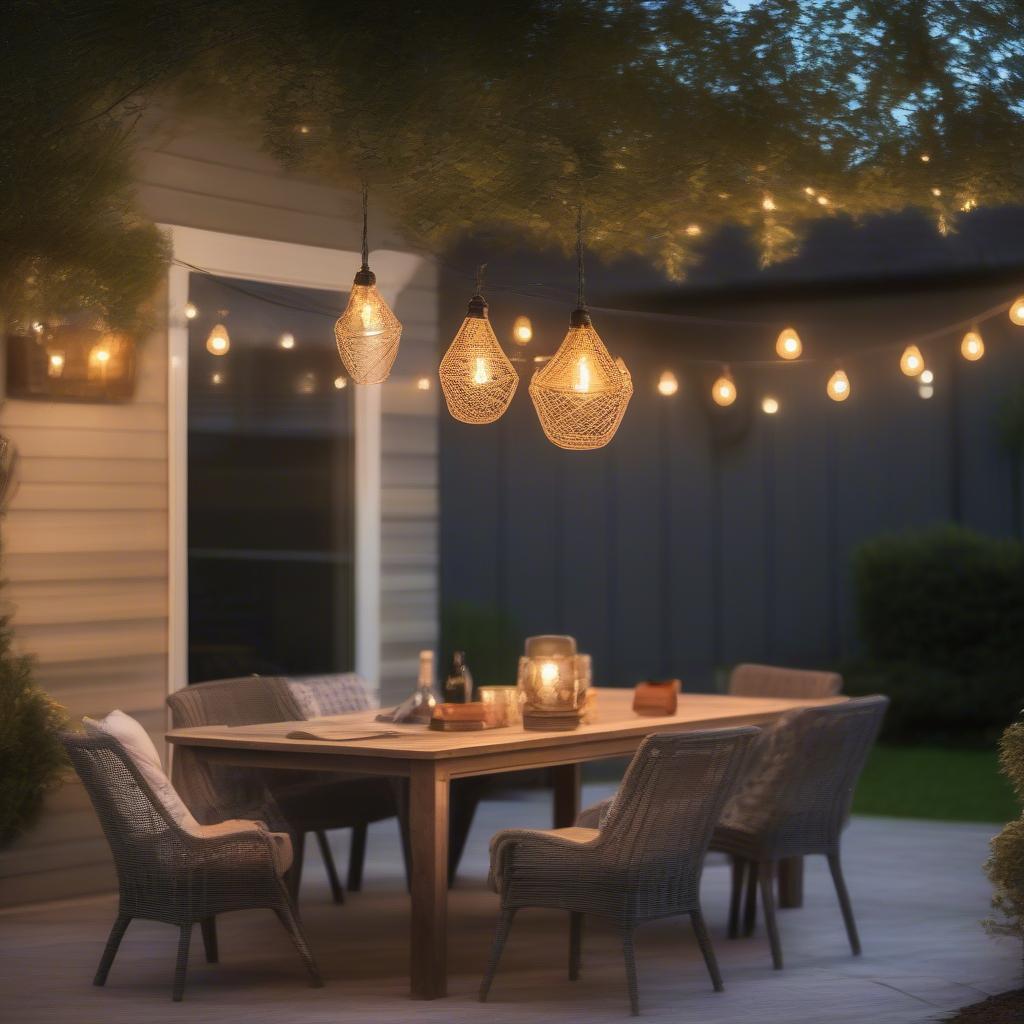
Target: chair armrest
{"points": [[504, 845]]}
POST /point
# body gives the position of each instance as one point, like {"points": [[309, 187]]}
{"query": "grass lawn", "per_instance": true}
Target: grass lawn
{"points": [[935, 782]]}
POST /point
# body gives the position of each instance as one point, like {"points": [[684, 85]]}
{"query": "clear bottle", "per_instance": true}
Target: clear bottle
{"points": [[458, 687], [419, 705]]}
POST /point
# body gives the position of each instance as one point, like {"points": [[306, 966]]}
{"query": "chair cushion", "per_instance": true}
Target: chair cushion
{"points": [[143, 753], [139, 747], [319, 696]]}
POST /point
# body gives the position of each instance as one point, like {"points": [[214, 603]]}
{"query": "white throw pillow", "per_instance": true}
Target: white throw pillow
{"points": [[139, 747]]}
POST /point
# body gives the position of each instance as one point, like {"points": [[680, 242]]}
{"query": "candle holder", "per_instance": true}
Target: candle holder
{"points": [[503, 704], [553, 681]]}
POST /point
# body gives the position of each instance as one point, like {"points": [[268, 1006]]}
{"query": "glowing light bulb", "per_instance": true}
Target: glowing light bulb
{"points": [[925, 390], [481, 375], [925, 158], [768, 204], [838, 386], [936, 192], [723, 391], [341, 383], [809, 191], [911, 362], [1017, 311], [102, 356], [769, 405], [55, 365], [522, 330], [368, 318], [216, 378], [548, 673], [581, 383], [218, 341], [667, 383], [693, 230], [191, 311], [823, 200], [972, 347], [789, 345], [927, 377], [287, 341], [423, 384], [37, 327]]}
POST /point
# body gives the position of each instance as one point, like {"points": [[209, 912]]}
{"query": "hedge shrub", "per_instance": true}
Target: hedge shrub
{"points": [[941, 619]]}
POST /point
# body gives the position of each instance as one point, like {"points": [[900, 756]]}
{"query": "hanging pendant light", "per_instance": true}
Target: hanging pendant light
{"points": [[911, 362], [367, 332], [477, 378], [838, 386], [972, 347], [788, 345], [581, 393]]}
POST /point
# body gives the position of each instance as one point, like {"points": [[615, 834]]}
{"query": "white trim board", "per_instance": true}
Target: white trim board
{"points": [[305, 266]]}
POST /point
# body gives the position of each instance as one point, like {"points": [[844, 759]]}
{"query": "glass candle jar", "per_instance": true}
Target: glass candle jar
{"points": [[503, 704], [549, 683]]}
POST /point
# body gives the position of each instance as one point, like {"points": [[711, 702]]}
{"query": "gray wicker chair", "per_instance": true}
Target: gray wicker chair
{"points": [[646, 860], [795, 802], [306, 801], [165, 873], [774, 681]]}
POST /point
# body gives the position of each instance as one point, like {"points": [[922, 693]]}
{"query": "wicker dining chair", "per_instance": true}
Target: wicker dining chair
{"points": [[774, 681], [301, 801], [167, 874], [794, 802], [644, 863]]}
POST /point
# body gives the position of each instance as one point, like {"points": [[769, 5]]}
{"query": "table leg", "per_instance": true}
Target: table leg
{"points": [[565, 779], [428, 837], [791, 882]]}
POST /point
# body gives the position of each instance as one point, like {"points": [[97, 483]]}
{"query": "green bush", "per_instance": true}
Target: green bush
{"points": [[941, 619], [1005, 867], [32, 760]]}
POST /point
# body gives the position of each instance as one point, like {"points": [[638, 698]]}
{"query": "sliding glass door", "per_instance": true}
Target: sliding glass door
{"points": [[270, 483]]}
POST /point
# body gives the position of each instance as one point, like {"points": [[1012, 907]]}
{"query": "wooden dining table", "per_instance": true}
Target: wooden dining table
{"points": [[430, 760]]}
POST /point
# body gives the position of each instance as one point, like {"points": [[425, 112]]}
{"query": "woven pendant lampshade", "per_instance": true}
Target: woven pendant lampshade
{"points": [[581, 393], [367, 332], [477, 378]]}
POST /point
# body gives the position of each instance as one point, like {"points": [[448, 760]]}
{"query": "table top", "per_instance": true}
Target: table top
{"points": [[613, 717]]}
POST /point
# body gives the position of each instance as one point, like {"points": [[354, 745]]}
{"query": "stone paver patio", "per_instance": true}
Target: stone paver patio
{"points": [[918, 891]]}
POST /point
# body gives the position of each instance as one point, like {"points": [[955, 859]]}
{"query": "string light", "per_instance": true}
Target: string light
{"points": [[925, 158], [477, 379], [341, 383], [823, 200], [667, 384], [769, 405], [287, 341], [55, 364], [788, 345], [218, 341], [810, 191], [1017, 311], [191, 312], [972, 347], [522, 330], [581, 393], [936, 192], [216, 378], [693, 230], [911, 362], [367, 332], [838, 387], [423, 384], [768, 204], [927, 377], [723, 391]]}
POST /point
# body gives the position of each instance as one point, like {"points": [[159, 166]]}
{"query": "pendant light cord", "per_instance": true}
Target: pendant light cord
{"points": [[366, 247], [480, 278], [580, 273]]}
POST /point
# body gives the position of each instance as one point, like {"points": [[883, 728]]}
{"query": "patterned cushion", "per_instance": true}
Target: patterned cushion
{"points": [[319, 696]]}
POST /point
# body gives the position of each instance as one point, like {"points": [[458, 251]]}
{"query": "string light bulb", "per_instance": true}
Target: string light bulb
{"points": [[788, 345], [769, 405], [723, 391], [367, 332], [55, 364], [218, 341], [911, 362], [667, 384], [927, 377], [522, 330], [191, 312], [477, 378], [838, 387], [581, 393], [340, 383], [423, 384], [972, 348], [1017, 311], [287, 341]]}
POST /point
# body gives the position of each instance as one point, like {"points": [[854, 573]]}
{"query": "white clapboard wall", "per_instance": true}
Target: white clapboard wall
{"points": [[85, 541]]}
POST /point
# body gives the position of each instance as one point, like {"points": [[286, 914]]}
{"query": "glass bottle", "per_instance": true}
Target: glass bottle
{"points": [[419, 706], [458, 687]]}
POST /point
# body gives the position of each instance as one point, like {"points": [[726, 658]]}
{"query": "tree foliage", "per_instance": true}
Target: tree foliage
{"points": [[1005, 867], [664, 120]]}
